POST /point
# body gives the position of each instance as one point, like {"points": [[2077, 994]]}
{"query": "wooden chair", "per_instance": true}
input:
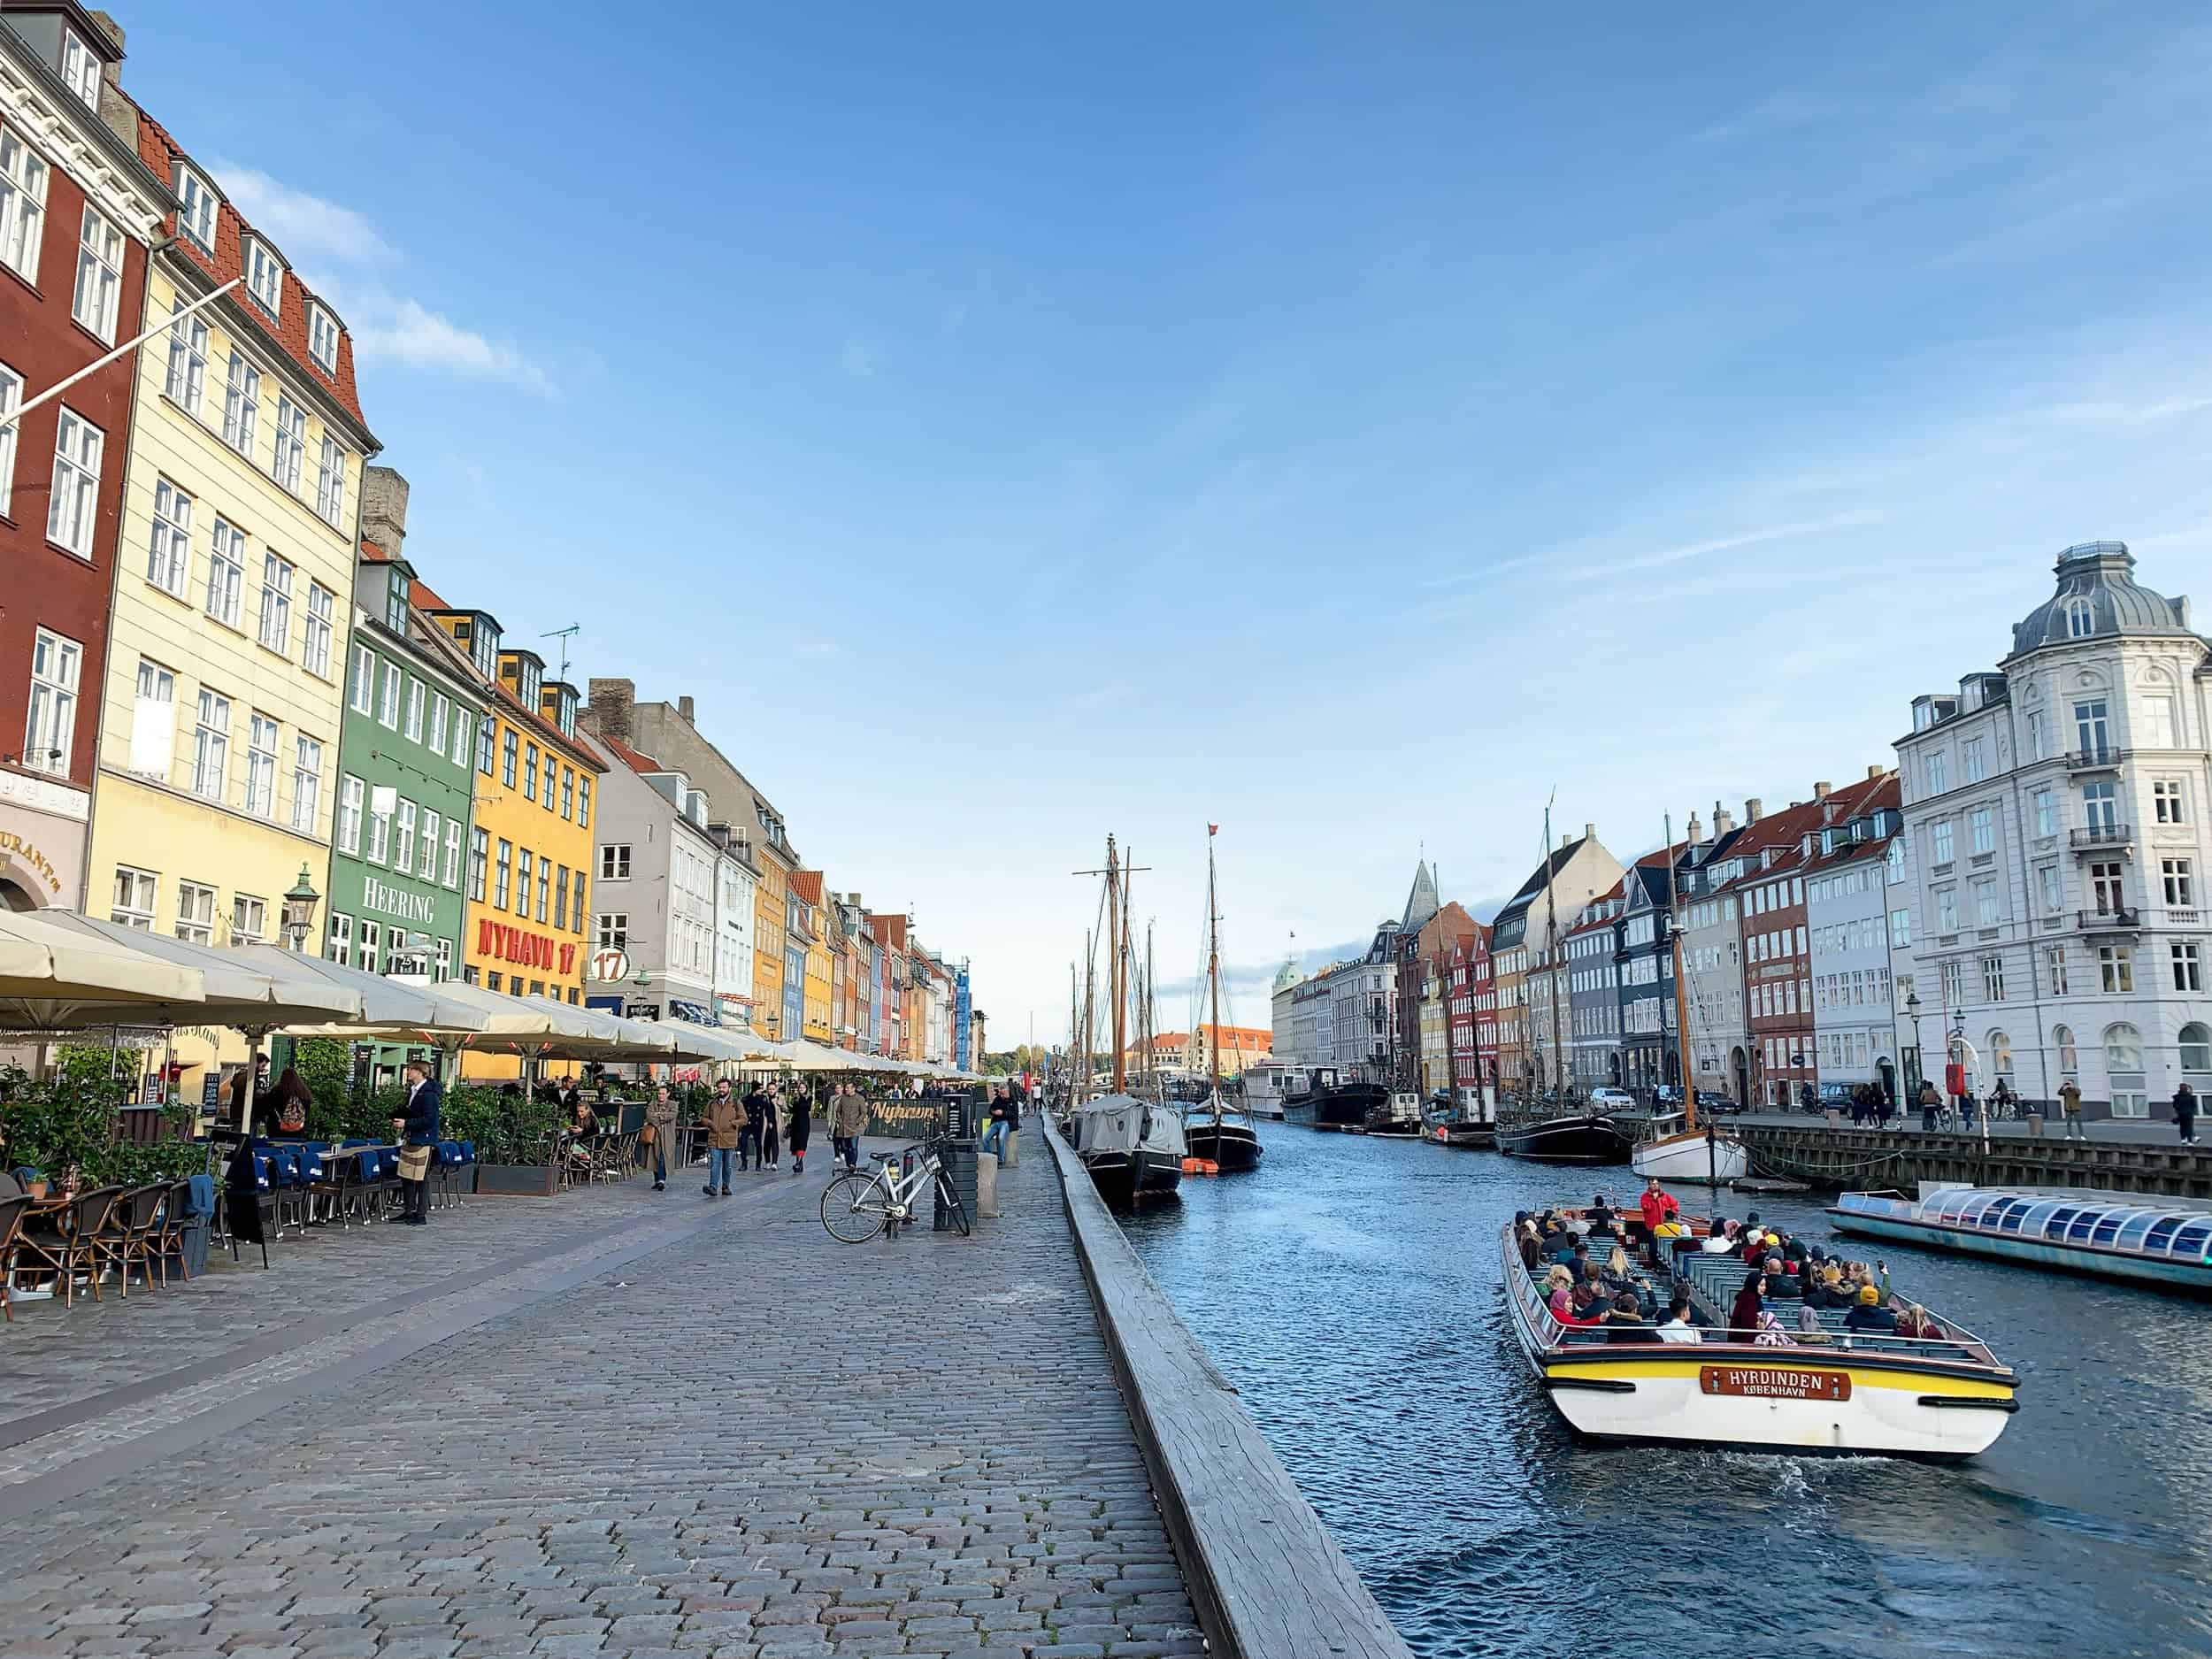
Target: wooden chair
{"points": [[127, 1236], [60, 1241], [11, 1213], [169, 1231]]}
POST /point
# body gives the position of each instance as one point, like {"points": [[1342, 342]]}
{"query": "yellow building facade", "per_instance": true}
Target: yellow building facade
{"points": [[817, 1007], [224, 683], [771, 900], [526, 918]]}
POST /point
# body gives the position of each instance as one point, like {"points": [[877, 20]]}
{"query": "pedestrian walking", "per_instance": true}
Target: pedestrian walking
{"points": [[1930, 1103], [2069, 1107], [768, 1129], [660, 1129], [848, 1120], [417, 1134], [2186, 1114], [723, 1118], [799, 1131], [749, 1138], [994, 1134]]}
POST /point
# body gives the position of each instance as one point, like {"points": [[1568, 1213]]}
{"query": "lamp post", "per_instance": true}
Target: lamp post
{"points": [[299, 910], [1919, 1050]]}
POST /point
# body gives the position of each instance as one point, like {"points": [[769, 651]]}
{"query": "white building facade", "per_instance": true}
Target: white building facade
{"points": [[736, 883], [2056, 812], [1848, 933]]}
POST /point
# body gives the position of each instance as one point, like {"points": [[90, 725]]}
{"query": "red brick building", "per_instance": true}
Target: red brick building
{"points": [[78, 208]]}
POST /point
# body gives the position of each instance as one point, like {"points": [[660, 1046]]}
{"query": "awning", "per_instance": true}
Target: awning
{"points": [[392, 1010], [237, 993], [50, 974]]}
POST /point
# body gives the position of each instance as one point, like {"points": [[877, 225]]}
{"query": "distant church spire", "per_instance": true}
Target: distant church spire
{"points": [[1422, 903]]}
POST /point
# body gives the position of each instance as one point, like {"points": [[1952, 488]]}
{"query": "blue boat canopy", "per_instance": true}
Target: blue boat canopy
{"points": [[2079, 1219]]}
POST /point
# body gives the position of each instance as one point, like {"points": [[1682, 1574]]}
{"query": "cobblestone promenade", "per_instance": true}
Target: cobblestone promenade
{"points": [[612, 1423]]}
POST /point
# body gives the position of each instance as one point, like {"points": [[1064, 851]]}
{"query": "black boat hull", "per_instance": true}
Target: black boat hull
{"points": [[1345, 1107], [1228, 1146], [1587, 1139], [1124, 1178]]}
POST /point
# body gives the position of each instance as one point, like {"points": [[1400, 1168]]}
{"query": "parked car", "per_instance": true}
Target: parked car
{"points": [[1707, 1101], [1611, 1100]]}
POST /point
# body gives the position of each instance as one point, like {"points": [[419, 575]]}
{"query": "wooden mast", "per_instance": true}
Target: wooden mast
{"points": [[1551, 953], [1213, 980], [1090, 1017], [1117, 926], [1681, 1006]]}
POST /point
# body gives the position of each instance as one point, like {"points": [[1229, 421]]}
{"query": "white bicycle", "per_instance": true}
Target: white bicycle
{"points": [[856, 1208]]}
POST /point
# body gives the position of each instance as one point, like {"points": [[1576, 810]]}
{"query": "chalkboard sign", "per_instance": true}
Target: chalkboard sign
{"points": [[212, 1089], [150, 1091]]}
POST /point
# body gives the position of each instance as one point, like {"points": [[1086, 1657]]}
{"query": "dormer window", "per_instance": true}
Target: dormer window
{"points": [[484, 650], [2081, 620], [322, 338], [196, 208], [564, 710], [396, 602], [528, 677], [80, 67], [264, 276]]}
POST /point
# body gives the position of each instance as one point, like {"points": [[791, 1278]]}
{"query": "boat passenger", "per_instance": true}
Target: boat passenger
{"points": [[1720, 1238], [1627, 1323], [1532, 1253], [1771, 1332], [1870, 1314], [1557, 1286], [1808, 1322], [1677, 1328], [1826, 1290], [1585, 1305], [1743, 1318], [1915, 1322]]}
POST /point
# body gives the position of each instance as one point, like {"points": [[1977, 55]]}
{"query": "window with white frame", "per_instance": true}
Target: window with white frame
{"points": [[1992, 979], [50, 730], [10, 395], [249, 919], [195, 913], [614, 861], [1937, 769], [479, 844], [73, 507], [1985, 901], [361, 695], [341, 939], [276, 603], [1976, 765], [315, 636], [187, 381], [80, 67], [22, 204], [414, 710], [404, 836], [1947, 903], [1940, 849], [426, 856], [210, 745], [241, 404], [264, 275], [503, 876], [576, 898], [379, 830], [445, 960], [2055, 959], [196, 208], [225, 568], [2116, 969], [464, 723], [99, 290], [371, 942], [484, 745], [614, 930], [528, 868], [261, 765], [352, 795], [307, 783], [2169, 800], [2183, 959], [530, 771], [1981, 830], [2179, 878], [453, 853], [583, 801], [568, 791], [545, 878], [1954, 984], [153, 722], [291, 443], [439, 709], [2049, 891], [388, 678], [2035, 735], [132, 904], [1901, 930], [330, 484], [322, 338]]}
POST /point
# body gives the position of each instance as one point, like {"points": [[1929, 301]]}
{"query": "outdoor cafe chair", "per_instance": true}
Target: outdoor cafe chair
{"points": [[60, 1241], [126, 1237], [445, 1159], [169, 1230], [12, 1211]]}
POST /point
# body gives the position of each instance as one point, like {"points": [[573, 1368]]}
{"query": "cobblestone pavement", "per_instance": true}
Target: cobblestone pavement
{"points": [[746, 1441]]}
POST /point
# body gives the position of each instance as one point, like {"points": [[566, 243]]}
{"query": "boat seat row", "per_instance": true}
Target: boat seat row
{"points": [[1715, 1279]]}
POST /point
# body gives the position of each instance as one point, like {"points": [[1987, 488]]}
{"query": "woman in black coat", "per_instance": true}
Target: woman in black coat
{"points": [[797, 1131], [768, 1129]]}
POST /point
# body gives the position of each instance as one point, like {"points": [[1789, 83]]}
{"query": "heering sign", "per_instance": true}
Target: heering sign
{"points": [[398, 902], [524, 949]]}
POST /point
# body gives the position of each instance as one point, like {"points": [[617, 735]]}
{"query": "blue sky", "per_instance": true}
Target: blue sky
{"points": [[1343, 424]]}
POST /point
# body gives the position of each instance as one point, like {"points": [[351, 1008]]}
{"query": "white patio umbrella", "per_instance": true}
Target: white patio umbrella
{"points": [[392, 1010], [235, 993], [50, 976]]}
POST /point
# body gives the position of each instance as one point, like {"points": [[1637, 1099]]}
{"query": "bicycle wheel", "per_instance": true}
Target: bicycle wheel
{"points": [[952, 1204], [853, 1209]]}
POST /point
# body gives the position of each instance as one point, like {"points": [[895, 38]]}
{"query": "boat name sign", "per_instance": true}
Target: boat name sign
{"points": [[1765, 1382]]}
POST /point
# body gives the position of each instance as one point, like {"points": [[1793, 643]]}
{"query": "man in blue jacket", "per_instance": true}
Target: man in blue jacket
{"points": [[417, 1134]]}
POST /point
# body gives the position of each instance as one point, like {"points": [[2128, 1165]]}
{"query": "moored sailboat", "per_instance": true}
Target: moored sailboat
{"points": [[1133, 1149], [1212, 1129]]}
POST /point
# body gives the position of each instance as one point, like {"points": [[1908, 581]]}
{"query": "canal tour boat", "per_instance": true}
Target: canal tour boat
{"points": [[2149, 1240], [1832, 1392]]}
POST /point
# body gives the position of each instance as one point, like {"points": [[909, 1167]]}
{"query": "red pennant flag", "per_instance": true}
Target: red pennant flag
{"points": [[1210, 828]]}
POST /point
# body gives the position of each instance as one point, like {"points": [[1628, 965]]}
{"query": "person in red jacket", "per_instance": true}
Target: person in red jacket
{"points": [[1659, 1207]]}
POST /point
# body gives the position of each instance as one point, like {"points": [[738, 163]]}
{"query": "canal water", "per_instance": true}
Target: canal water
{"points": [[1351, 1289]]}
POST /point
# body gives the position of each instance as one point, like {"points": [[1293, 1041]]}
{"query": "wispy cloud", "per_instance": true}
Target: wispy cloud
{"points": [[2113, 413], [344, 258], [415, 336], [1776, 110], [305, 227], [1725, 544]]}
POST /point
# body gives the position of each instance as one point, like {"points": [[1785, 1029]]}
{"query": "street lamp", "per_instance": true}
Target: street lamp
{"points": [[299, 910], [1919, 1050]]}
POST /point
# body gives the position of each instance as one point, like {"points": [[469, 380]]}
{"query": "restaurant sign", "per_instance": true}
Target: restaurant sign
{"points": [[1774, 1382], [524, 948]]}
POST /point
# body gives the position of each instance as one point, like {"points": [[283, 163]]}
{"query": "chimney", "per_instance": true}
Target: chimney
{"points": [[1751, 810], [116, 112], [1724, 821], [684, 707], [612, 701], [384, 509], [1566, 840], [1875, 770], [1820, 791], [1695, 832]]}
